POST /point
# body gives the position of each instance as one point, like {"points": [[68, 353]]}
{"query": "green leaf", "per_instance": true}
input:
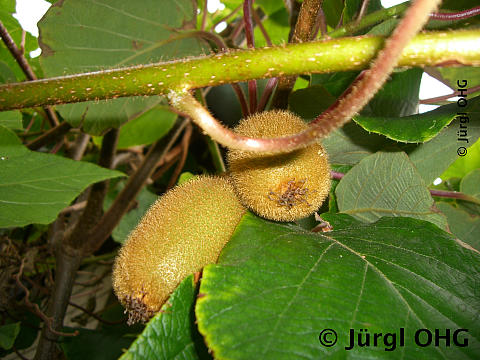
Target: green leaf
{"points": [[435, 156], [413, 128], [147, 128], [76, 37], [464, 164], [386, 184], [334, 83], [454, 76], [470, 184], [276, 287], [463, 225], [333, 11], [185, 177], [398, 97], [270, 6], [34, 187], [95, 345], [11, 119], [277, 27], [310, 102], [6, 74], [171, 334], [8, 334], [351, 143]]}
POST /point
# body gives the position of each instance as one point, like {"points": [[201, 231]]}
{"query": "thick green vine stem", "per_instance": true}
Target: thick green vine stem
{"points": [[355, 53], [352, 101]]}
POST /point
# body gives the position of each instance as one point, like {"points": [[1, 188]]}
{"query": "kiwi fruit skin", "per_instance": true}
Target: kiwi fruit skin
{"points": [[183, 231], [283, 187]]}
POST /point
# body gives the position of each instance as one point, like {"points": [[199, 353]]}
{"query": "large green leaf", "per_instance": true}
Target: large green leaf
{"points": [[277, 286], [433, 157], [34, 187], [386, 184], [398, 97], [414, 128], [464, 164], [351, 143], [277, 27], [471, 184], [171, 334], [85, 35], [11, 119], [146, 129], [311, 101], [463, 225]]}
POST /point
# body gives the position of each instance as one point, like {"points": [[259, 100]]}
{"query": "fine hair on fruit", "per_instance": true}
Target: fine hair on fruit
{"points": [[184, 230], [281, 187]]}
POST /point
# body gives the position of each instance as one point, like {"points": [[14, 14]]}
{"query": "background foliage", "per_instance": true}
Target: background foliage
{"points": [[398, 256]]}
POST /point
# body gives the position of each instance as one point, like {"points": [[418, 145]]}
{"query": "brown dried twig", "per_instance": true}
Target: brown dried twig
{"points": [[35, 308]]}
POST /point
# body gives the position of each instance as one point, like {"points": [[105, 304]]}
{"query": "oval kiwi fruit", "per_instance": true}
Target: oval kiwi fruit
{"points": [[283, 187], [183, 231]]}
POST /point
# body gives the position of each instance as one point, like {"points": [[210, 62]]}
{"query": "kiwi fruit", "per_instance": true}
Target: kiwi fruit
{"points": [[183, 231], [283, 187]]}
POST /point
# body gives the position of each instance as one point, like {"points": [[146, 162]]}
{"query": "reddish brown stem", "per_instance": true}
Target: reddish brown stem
{"points": [[465, 14], [267, 92], [445, 97], [181, 163], [204, 14], [35, 308], [454, 195], [49, 136], [363, 10], [258, 21], [26, 68]]}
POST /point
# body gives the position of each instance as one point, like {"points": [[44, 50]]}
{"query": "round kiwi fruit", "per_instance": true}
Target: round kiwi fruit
{"points": [[183, 231], [283, 187]]}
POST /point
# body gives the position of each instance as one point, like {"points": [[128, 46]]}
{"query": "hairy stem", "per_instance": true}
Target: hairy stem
{"points": [[451, 16], [428, 49]]}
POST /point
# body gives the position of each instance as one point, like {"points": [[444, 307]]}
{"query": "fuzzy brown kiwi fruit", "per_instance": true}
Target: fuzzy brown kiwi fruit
{"points": [[183, 231], [283, 187]]}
